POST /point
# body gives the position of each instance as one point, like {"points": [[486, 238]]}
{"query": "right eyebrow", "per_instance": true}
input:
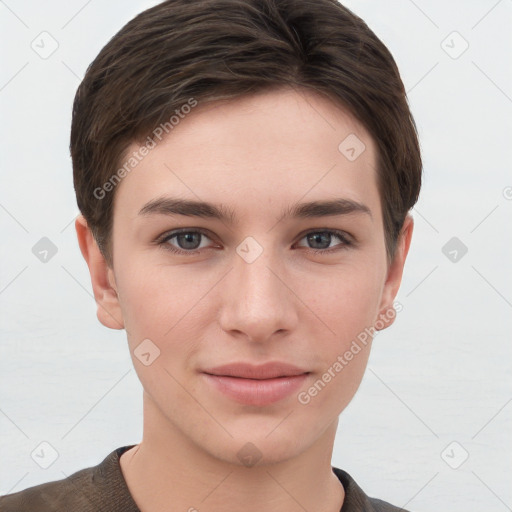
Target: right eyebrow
{"points": [[191, 208]]}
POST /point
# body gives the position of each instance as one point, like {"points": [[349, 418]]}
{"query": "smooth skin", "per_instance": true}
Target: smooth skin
{"points": [[256, 155]]}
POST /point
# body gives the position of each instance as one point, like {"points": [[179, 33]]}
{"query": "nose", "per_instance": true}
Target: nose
{"points": [[257, 300]]}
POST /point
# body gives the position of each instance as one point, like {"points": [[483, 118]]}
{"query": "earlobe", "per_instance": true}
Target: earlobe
{"points": [[102, 277], [387, 312]]}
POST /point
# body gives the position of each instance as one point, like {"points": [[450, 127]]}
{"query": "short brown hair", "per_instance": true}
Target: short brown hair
{"points": [[210, 49]]}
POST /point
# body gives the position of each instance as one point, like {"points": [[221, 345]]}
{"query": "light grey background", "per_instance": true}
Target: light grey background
{"points": [[441, 374]]}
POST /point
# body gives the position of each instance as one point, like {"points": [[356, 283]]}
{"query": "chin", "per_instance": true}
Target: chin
{"points": [[247, 452], [264, 442]]}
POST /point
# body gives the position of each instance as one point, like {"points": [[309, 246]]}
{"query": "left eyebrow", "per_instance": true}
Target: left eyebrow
{"points": [[193, 208], [188, 208], [317, 209]]}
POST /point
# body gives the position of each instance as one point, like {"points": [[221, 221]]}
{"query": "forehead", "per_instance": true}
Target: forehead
{"points": [[255, 151]]}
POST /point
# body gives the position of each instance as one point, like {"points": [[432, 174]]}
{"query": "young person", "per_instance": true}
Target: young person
{"points": [[244, 171]]}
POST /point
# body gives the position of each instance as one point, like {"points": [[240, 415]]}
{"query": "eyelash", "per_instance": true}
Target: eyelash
{"points": [[162, 241]]}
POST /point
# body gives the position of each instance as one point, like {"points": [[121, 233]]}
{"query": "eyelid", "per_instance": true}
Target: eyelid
{"points": [[347, 240], [342, 234], [171, 234]]}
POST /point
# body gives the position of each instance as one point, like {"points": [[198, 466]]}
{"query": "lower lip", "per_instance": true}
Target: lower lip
{"points": [[256, 392]]}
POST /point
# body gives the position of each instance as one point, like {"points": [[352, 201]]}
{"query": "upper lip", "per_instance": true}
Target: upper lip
{"points": [[250, 371]]}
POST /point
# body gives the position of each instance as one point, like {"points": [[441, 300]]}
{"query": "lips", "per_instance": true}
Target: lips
{"points": [[255, 385], [249, 371]]}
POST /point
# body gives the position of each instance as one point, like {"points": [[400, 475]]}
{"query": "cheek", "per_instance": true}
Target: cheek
{"points": [[347, 305], [346, 299], [160, 301], [155, 298], [334, 387], [164, 305]]}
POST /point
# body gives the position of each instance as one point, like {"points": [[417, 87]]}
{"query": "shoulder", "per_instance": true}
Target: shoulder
{"points": [[65, 494], [356, 499], [87, 490]]}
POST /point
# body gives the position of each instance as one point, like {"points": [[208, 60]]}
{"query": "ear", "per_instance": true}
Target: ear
{"points": [[394, 277], [102, 277]]}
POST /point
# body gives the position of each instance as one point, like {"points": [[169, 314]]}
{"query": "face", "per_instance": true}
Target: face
{"points": [[262, 275]]}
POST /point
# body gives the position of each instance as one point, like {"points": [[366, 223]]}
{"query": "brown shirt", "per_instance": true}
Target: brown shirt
{"points": [[102, 488]]}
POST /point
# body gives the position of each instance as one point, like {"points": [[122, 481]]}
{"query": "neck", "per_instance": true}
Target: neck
{"points": [[167, 468]]}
